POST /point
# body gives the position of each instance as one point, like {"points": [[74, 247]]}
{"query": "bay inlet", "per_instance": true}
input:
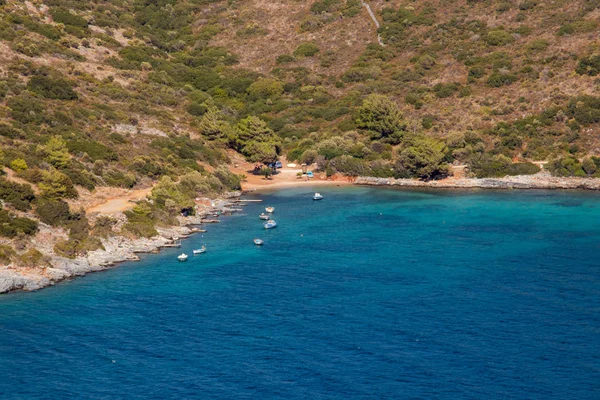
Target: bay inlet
{"points": [[369, 293]]}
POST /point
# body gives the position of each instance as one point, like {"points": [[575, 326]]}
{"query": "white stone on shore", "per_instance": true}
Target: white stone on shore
{"points": [[537, 181]]}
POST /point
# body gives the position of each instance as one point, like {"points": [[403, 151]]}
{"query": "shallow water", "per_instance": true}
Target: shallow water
{"points": [[370, 293]]}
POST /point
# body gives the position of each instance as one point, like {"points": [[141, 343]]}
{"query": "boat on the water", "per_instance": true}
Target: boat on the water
{"points": [[270, 224], [270, 210], [200, 250], [264, 216], [259, 242], [182, 257], [318, 196]]}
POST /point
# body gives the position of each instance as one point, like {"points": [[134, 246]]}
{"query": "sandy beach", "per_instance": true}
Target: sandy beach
{"points": [[286, 177]]}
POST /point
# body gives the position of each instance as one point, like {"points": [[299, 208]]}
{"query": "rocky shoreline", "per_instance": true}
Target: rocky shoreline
{"points": [[117, 249], [537, 181]]}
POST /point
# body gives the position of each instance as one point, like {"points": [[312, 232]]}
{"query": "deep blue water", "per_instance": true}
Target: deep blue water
{"points": [[368, 294]]}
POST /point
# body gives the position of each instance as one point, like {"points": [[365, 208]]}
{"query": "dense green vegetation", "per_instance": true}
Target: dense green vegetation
{"points": [[126, 93], [11, 225]]}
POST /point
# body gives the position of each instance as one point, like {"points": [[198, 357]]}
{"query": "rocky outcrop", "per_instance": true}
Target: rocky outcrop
{"points": [[538, 181], [117, 249], [10, 280]]}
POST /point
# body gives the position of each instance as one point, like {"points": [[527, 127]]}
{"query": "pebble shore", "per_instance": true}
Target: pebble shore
{"points": [[538, 181]]}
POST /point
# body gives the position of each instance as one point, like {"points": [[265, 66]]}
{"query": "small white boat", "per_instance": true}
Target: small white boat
{"points": [[318, 196], [270, 210], [199, 251], [264, 216], [182, 257], [270, 224], [259, 242]]}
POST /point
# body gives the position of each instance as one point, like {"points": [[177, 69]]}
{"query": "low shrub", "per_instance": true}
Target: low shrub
{"points": [[81, 177], [443, 90], [538, 45], [17, 195], [6, 254], [11, 225], [59, 89], [10, 132], [525, 168], [488, 166], [26, 109], [228, 178], [32, 258], [498, 38], [567, 166], [18, 165], [140, 229], [584, 109], [498, 79], [95, 150], [285, 59], [104, 226], [265, 88], [118, 178], [350, 166], [55, 185], [589, 65], [53, 212], [64, 16], [306, 50], [527, 5]]}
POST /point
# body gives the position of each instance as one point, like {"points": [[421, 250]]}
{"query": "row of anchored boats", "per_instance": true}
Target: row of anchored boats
{"points": [[269, 224]]}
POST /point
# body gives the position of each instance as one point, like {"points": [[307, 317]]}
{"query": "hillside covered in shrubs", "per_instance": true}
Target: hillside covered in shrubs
{"points": [[134, 93]]}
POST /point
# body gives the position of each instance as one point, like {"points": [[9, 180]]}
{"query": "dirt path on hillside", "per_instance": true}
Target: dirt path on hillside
{"points": [[375, 21]]}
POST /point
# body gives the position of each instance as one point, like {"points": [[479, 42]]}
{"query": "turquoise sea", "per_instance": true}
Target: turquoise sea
{"points": [[369, 294]]}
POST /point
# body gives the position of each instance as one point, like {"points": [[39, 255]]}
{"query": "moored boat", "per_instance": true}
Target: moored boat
{"points": [[264, 216], [270, 210], [318, 196], [270, 224], [259, 242], [182, 257], [200, 250]]}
